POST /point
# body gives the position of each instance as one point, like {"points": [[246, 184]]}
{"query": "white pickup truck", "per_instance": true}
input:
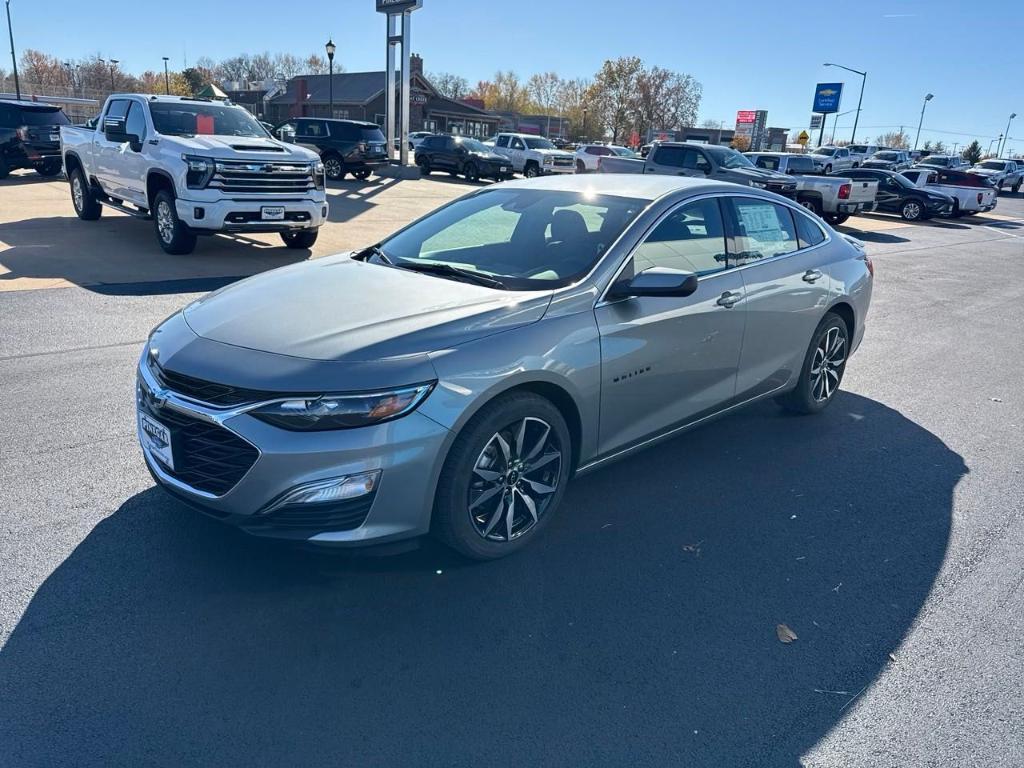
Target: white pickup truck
{"points": [[971, 194], [833, 199], [195, 167], [533, 155]]}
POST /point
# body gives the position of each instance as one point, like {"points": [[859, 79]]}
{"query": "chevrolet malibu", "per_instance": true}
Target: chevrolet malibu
{"points": [[452, 378]]}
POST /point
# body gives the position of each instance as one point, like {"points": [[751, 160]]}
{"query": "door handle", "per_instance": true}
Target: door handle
{"points": [[729, 299], [812, 275]]}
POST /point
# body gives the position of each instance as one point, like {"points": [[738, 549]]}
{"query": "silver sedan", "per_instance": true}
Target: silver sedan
{"points": [[452, 378]]}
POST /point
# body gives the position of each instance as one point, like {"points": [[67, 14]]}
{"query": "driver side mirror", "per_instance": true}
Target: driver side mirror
{"points": [[287, 135], [114, 129], [656, 281]]}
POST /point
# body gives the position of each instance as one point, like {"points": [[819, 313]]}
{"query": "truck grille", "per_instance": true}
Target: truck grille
{"points": [[206, 456], [564, 162], [255, 177]]}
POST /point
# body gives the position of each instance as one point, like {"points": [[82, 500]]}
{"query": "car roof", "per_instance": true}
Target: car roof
{"points": [[643, 186], [25, 104]]}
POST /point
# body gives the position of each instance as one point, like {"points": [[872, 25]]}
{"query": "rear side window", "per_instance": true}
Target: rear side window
{"points": [[312, 129], [807, 230], [760, 230], [670, 156], [42, 117]]}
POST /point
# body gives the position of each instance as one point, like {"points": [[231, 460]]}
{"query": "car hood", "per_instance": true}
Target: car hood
{"points": [[986, 171], [491, 157], [552, 152], [243, 148], [339, 309], [880, 163], [761, 174]]}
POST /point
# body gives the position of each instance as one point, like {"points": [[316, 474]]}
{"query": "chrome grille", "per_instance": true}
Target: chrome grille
{"points": [[565, 161], [255, 177]]}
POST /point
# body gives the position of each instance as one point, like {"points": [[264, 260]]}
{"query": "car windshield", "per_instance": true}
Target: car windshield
{"points": [[827, 151], [729, 158], [528, 239], [473, 145], [623, 151], [885, 156], [183, 118], [860, 148], [993, 165], [535, 142], [935, 160], [43, 117]]}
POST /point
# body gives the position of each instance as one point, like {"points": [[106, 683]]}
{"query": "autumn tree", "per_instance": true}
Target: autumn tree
{"points": [[318, 65], [616, 88], [665, 99], [740, 143], [449, 85], [894, 140]]}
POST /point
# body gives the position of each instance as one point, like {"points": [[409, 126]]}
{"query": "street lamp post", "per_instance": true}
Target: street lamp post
{"points": [[14, 59], [999, 139], [1006, 135], [330, 48], [167, 78], [583, 127], [113, 66], [863, 81], [928, 97]]}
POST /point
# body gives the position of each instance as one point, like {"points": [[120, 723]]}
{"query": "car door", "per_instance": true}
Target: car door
{"points": [[517, 152], [785, 285], [107, 153], [134, 165], [843, 156], [311, 134], [667, 361], [889, 195]]}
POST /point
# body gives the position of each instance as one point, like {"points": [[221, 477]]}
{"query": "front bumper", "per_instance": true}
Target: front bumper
{"points": [[245, 214], [548, 170], [405, 452]]}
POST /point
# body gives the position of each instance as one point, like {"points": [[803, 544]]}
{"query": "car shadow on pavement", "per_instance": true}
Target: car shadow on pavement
{"points": [[876, 237], [640, 630], [119, 249]]}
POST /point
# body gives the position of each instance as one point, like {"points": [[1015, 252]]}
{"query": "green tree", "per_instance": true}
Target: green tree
{"points": [[972, 152], [194, 80]]}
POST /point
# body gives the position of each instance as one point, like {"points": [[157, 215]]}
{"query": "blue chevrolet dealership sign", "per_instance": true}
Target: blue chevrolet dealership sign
{"points": [[826, 97]]}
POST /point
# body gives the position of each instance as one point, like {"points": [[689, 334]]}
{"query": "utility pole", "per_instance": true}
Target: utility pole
{"points": [[113, 66], [167, 78], [1006, 135], [14, 59]]}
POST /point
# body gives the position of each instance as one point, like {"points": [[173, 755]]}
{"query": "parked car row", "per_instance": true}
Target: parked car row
{"points": [[30, 137]]}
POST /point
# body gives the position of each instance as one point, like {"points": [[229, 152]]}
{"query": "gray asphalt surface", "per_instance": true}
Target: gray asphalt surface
{"points": [[887, 533]]}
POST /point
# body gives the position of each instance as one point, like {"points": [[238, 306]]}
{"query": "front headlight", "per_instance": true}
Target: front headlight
{"points": [[316, 414], [759, 185], [200, 171], [319, 177], [549, 160]]}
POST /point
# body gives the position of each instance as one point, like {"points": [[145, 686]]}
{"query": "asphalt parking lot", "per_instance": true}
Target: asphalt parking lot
{"points": [[888, 533]]}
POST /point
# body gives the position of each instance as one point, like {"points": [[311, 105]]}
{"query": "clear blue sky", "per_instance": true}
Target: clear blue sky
{"points": [[969, 54]]}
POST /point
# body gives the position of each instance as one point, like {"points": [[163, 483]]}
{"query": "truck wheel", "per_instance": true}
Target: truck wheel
{"points": [[828, 169], [581, 167], [531, 171], [835, 219], [303, 239], [334, 167], [50, 168], [812, 205], [1016, 187], [83, 198], [175, 238]]}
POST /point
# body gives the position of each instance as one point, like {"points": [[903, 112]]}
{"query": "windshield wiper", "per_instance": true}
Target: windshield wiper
{"points": [[447, 270]]}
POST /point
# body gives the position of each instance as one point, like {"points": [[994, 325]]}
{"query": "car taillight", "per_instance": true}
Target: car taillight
{"points": [[980, 198], [844, 191]]}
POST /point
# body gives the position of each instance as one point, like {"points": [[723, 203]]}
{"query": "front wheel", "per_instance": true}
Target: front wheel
{"points": [[823, 368], [304, 238], [828, 169], [174, 237], [470, 172], [581, 167], [912, 210], [83, 197], [504, 477], [531, 171], [50, 168], [424, 164]]}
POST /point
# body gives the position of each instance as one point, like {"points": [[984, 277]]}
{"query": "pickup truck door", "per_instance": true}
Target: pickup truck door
{"points": [[133, 165], [517, 152], [106, 154], [667, 361]]}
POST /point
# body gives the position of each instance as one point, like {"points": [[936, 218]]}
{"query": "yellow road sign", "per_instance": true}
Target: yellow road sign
{"points": [[804, 137]]}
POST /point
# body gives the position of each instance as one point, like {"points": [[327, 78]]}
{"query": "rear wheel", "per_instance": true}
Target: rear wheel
{"points": [[4, 169], [835, 219], [812, 205], [304, 238], [362, 175], [334, 167], [823, 368], [174, 237], [83, 197], [1016, 187], [50, 168], [504, 477]]}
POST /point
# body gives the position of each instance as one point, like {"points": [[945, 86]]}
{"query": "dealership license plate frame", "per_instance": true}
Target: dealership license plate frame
{"points": [[272, 213], [156, 438]]}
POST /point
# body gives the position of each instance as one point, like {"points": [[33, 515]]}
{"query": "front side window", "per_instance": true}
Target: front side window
{"points": [[771, 163], [528, 239], [691, 239], [517, 143], [673, 157], [136, 123], [761, 230]]}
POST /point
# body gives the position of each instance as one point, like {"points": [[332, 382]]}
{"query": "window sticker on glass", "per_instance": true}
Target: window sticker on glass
{"points": [[760, 221]]}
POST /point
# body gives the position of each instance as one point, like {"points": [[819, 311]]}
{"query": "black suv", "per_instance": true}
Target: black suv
{"points": [[459, 154], [30, 137], [345, 146]]}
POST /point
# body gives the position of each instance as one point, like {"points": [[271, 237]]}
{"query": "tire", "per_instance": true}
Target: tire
{"points": [[303, 239], [477, 469], [531, 171], [999, 187], [912, 210], [1016, 187], [828, 169], [812, 205], [50, 168], [581, 167], [334, 167], [424, 164], [470, 172], [362, 175], [835, 219], [814, 391], [83, 197], [174, 237]]}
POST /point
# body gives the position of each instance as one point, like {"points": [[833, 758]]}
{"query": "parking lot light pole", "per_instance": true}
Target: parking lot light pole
{"points": [[14, 59], [928, 97], [113, 66], [863, 81], [167, 78], [1006, 135], [330, 48]]}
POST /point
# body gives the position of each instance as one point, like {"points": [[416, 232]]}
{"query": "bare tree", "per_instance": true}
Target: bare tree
{"points": [[894, 140], [509, 93], [616, 90], [317, 65], [449, 85], [286, 64]]}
